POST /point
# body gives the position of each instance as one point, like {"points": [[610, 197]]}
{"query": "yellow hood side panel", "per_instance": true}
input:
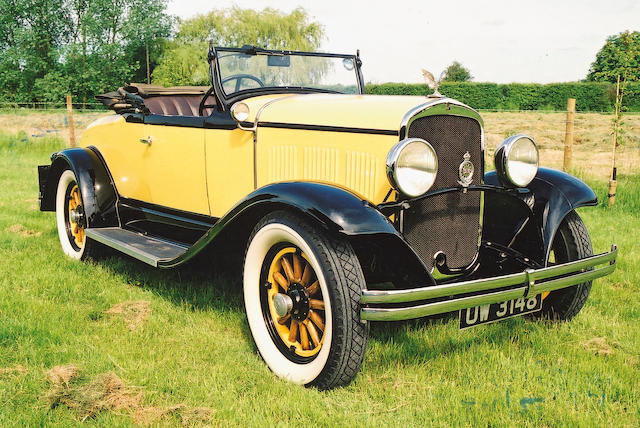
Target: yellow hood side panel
{"points": [[256, 103], [352, 111], [350, 160]]}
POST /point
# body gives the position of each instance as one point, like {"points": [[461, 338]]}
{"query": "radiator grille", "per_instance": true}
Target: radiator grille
{"points": [[451, 222]]}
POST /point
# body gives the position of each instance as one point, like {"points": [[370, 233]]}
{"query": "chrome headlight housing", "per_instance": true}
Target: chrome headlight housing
{"points": [[516, 160], [240, 111], [412, 166]]}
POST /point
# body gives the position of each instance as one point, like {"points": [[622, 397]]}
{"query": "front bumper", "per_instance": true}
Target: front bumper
{"points": [[487, 290]]}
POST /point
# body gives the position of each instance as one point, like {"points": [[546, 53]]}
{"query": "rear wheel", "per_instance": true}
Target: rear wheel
{"points": [[301, 293], [571, 243], [71, 220]]}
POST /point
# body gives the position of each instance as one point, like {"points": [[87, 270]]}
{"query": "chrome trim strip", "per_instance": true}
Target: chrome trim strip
{"points": [[397, 314], [414, 111], [254, 130], [567, 281], [424, 293], [328, 128], [529, 278]]}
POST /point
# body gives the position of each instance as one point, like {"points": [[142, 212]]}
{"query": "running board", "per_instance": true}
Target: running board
{"points": [[144, 248]]}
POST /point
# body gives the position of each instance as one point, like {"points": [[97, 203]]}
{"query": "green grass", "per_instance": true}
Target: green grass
{"points": [[195, 348]]}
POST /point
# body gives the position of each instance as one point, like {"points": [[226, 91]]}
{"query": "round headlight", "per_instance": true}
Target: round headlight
{"points": [[412, 166], [240, 111], [516, 160]]}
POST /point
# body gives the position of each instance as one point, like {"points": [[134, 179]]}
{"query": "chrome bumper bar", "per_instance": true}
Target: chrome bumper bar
{"points": [[531, 282]]}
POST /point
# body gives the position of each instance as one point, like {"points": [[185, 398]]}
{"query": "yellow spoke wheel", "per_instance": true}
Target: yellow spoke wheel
{"points": [[71, 219], [301, 289], [302, 329], [74, 208]]}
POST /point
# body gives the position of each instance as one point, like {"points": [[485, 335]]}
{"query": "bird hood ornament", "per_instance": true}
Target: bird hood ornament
{"points": [[433, 83]]}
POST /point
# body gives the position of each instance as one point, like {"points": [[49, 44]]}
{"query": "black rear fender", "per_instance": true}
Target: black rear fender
{"points": [[96, 186]]}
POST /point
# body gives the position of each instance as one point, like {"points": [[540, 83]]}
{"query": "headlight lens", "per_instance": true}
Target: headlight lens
{"points": [[517, 160], [412, 166]]}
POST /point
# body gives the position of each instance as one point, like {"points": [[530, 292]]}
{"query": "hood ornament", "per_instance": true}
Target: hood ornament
{"points": [[465, 171], [433, 83]]}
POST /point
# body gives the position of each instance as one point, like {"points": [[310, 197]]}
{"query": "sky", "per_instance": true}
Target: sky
{"points": [[500, 41]]}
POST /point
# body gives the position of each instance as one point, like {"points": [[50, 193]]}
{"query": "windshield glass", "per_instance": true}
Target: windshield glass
{"points": [[240, 71]]}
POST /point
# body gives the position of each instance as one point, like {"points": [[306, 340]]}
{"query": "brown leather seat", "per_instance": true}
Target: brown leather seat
{"points": [[177, 105]]}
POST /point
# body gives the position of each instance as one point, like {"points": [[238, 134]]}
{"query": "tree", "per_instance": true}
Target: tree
{"points": [[456, 72], [620, 55], [49, 48], [184, 60]]}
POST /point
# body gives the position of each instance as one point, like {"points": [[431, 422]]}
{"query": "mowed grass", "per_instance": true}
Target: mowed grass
{"points": [[191, 345]]}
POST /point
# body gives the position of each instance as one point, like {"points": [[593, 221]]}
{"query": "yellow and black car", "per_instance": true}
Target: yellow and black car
{"points": [[349, 207]]}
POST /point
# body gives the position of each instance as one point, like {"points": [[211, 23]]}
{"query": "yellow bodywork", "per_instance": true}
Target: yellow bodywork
{"points": [[207, 171]]}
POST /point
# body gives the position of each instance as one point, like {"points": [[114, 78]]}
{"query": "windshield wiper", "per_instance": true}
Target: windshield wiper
{"points": [[255, 50]]}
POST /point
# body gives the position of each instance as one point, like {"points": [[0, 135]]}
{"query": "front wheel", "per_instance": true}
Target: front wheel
{"points": [[571, 243], [301, 293]]}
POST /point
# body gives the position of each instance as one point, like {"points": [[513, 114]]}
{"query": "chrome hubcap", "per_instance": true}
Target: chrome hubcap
{"points": [[283, 304]]}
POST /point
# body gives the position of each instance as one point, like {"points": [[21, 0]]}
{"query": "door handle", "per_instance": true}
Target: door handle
{"points": [[147, 140]]}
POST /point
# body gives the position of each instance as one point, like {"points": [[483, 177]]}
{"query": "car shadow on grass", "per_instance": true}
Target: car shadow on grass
{"points": [[421, 340], [211, 282]]}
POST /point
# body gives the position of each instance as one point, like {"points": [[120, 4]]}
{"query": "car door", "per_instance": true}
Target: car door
{"points": [[173, 164], [230, 166]]}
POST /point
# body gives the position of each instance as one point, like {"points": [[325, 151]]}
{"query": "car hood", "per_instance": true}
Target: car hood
{"points": [[384, 112]]}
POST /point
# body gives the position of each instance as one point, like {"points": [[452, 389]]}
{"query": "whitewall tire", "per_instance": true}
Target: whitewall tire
{"points": [[70, 219], [321, 341]]}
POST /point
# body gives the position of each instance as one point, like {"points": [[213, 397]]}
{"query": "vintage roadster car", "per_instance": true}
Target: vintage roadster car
{"points": [[349, 208]]}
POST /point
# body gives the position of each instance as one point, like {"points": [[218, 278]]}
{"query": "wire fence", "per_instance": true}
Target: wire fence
{"points": [[52, 106], [592, 131]]}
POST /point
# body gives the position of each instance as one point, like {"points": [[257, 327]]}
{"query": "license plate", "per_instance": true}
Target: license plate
{"points": [[485, 314]]}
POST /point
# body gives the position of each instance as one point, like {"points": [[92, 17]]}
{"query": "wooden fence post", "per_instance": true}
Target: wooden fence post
{"points": [[72, 135], [568, 134]]}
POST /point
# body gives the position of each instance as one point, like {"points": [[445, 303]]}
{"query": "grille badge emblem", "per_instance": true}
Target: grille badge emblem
{"points": [[465, 171]]}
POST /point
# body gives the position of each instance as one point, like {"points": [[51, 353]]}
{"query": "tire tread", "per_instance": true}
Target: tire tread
{"points": [[349, 338], [564, 304]]}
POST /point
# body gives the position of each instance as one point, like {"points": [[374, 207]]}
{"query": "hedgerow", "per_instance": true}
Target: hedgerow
{"points": [[590, 96]]}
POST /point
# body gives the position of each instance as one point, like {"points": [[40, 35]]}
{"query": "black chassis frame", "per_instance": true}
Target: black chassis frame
{"points": [[523, 220]]}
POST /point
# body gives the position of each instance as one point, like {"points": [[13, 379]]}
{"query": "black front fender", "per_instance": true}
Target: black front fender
{"points": [[98, 193], [335, 210], [556, 194]]}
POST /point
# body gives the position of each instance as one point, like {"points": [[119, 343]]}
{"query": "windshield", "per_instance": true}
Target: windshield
{"points": [[241, 71]]}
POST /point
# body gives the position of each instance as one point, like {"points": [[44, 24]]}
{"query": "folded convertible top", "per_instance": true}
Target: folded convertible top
{"points": [[146, 91], [130, 98]]}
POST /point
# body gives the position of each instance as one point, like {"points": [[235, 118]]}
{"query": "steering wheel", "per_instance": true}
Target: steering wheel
{"points": [[239, 77], [202, 105]]}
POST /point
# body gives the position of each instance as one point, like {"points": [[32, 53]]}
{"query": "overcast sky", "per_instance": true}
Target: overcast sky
{"points": [[499, 41]]}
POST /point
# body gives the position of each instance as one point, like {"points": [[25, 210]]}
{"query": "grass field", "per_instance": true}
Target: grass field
{"points": [[147, 347]]}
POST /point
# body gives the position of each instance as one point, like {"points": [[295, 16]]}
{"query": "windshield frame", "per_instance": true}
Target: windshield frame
{"points": [[227, 100]]}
